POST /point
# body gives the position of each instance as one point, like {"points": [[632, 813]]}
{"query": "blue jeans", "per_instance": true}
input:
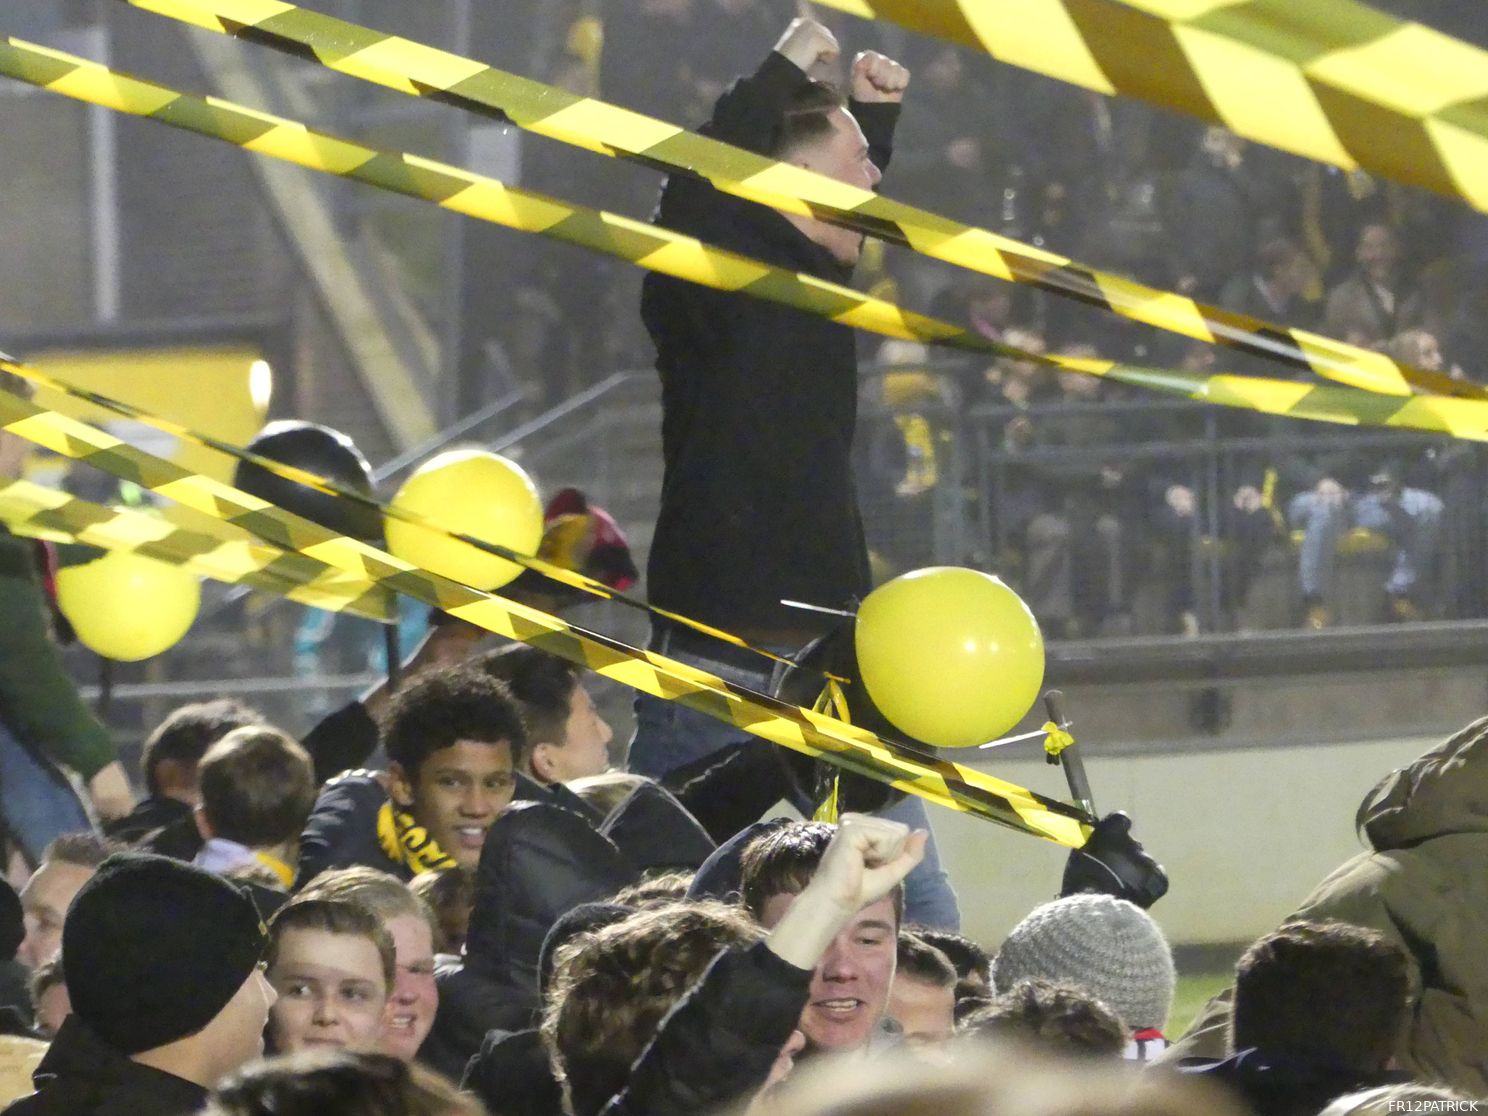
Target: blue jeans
{"points": [[1412, 523], [669, 734], [36, 801]]}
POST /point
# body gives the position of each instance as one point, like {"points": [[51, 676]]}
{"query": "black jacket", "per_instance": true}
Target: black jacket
{"points": [[1272, 1085], [538, 862], [759, 402], [83, 1076], [718, 1044], [342, 830], [513, 1076]]}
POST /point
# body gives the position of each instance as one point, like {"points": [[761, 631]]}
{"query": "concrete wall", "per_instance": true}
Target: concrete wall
{"points": [[1243, 833]]}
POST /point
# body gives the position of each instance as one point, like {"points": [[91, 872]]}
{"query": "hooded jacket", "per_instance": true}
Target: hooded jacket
{"points": [[81, 1075], [1424, 885], [539, 860]]}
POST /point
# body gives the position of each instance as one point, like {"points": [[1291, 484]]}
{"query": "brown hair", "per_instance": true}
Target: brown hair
{"points": [[188, 731], [781, 861], [450, 894], [664, 887], [382, 893], [257, 787], [1056, 1018], [312, 1083], [807, 118], [612, 987], [332, 916], [921, 961], [1322, 991]]}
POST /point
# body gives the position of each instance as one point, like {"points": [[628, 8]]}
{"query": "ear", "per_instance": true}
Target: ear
{"points": [[203, 826], [400, 786], [541, 762]]}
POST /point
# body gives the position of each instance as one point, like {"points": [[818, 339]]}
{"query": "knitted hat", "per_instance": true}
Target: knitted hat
{"points": [[153, 949], [1109, 948]]}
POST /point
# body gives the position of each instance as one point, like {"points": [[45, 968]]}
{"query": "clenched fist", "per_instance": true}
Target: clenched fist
{"points": [[806, 43], [876, 77]]}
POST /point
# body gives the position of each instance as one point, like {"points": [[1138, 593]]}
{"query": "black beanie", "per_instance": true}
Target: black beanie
{"points": [[153, 949]]}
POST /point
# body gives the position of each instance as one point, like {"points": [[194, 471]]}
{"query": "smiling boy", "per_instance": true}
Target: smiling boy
{"points": [[453, 739]]}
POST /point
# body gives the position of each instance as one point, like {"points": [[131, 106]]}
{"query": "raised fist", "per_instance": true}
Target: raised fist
{"points": [[807, 42], [876, 77]]}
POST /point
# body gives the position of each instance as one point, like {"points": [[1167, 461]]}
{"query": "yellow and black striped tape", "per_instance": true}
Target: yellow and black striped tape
{"points": [[949, 784], [413, 68], [460, 191], [570, 578], [1331, 80], [35, 511], [658, 249]]}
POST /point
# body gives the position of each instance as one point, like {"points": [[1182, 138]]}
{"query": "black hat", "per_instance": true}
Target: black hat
{"points": [[153, 949], [324, 452]]}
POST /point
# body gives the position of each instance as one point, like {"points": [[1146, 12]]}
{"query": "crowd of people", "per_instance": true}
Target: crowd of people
{"points": [[492, 920], [445, 898], [1104, 533]]}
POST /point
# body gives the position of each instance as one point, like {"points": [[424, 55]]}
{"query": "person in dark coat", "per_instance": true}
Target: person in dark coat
{"points": [[759, 408], [539, 861], [161, 961]]}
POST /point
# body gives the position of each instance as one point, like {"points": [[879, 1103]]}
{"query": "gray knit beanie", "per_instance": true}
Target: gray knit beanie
{"points": [[1107, 947]]}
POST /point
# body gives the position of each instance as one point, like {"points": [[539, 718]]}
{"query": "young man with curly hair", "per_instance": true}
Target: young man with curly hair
{"points": [[454, 742]]}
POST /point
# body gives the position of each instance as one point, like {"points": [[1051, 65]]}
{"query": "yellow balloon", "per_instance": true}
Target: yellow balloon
{"points": [[128, 607], [950, 656], [476, 493]]}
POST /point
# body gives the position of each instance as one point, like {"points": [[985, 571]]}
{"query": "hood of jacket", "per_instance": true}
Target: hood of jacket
{"points": [[539, 860], [1444, 791], [653, 830]]}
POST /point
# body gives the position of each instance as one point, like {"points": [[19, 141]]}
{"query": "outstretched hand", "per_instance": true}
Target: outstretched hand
{"points": [[877, 77]]}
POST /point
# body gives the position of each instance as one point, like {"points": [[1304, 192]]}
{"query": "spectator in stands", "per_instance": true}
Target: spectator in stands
{"points": [[163, 822], [410, 924], [849, 991], [67, 864], [1273, 290], [1374, 303], [317, 1083], [1220, 205], [1058, 1019], [1088, 498], [1419, 884], [731, 1018], [162, 964], [454, 742], [332, 965], [49, 999], [1109, 949], [922, 996], [566, 737], [257, 787], [1319, 1010], [1344, 489]]}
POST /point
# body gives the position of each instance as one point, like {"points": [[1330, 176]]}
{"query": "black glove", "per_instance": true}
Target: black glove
{"points": [[1113, 862]]}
